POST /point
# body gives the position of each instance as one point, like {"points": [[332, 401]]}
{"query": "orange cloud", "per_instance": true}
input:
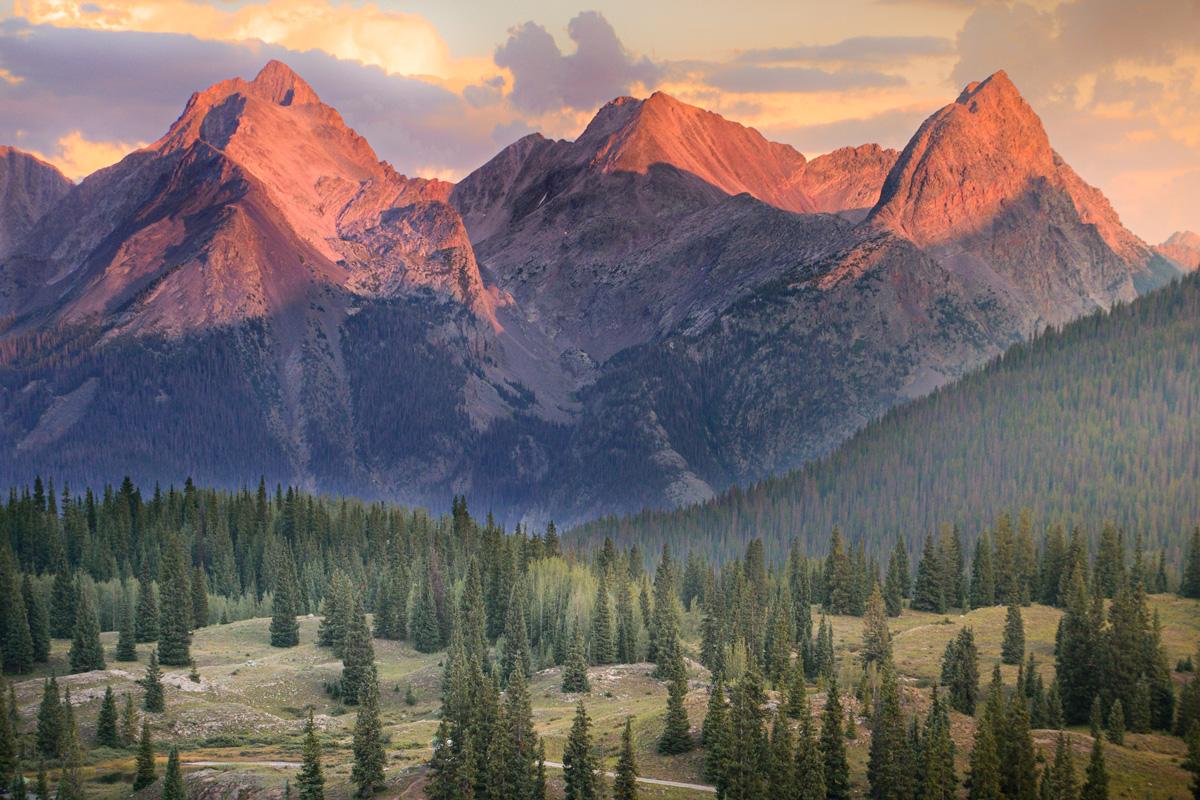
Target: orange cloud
{"points": [[77, 157]]}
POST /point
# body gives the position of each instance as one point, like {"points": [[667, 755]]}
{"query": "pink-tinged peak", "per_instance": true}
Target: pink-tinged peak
{"points": [[279, 84]]}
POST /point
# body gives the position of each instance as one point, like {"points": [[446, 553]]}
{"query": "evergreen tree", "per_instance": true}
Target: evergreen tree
{"points": [[448, 779], [423, 623], [625, 781], [285, 631], [173, 778], [1095, 784], [602, 645], [960, 671], [983, 577], [70, 781], [929, 590], [367, 772], [579, 764], [877, 640], [1064, 785], [1018, 763], [311, 780], [937, 755], [16, 640], [38, 619], [106, 721], [335, 613], [199, 587], [127, 633], [1189, 586], [746, 748], [574, 676], [715, 733], [1116, 722], [129, 722], [1192, 763], [797, 693], [833, 747], [41, 784], [49, 721], [626, 630], [153, 697], [358, 657], [147, 607], [1012, 649], [781, 762], [518, 739], [984, 781], [9, 747], [810, 764], [1078, 657], [888, 766], [676, 736], [86, 652], [893, 586], [62, 602], [175, 619], [516, 651]]}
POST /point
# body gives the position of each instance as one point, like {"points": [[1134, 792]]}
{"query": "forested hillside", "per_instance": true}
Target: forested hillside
{"points": [[1091, 423]]}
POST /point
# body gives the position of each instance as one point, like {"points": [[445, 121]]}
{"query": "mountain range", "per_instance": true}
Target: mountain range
{"points": [[666, 306]]}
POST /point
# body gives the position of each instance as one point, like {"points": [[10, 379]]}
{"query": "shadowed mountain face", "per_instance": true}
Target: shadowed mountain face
{"points": [[28, 188], [663, 307]]}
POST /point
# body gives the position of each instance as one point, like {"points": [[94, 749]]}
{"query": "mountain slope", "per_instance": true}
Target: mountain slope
{"points": [[1182, 248], [28, 188], [1091, 423]]}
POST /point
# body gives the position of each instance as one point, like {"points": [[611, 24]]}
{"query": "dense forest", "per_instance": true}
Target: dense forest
{"points": [[504, 605], [1089, 424]]}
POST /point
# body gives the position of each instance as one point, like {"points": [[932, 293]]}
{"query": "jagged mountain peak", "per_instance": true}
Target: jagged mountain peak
{"points": [[278, 83], [1182, 248], [28, 188]]}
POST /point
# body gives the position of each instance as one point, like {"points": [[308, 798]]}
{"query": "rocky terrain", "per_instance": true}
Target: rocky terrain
{"points": [[1182, 248], [28, 188], [665, 306]]}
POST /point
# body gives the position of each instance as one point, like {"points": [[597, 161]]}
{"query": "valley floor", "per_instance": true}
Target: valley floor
{"points": [[239, 727]]}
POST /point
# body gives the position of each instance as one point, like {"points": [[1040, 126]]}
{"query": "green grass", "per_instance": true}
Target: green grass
{"points": [[251, 701]]}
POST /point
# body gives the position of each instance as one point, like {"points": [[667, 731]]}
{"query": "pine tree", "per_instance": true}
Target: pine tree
{"points": [[983, 577], [86, 652], [1095, 785], [175, 619], [62, 602], [516, 652], [38, 619], [929, 590], [285, 631], [199, 586], [129, 722], [173, 788], [16, 640], [106, 721], [1078, 660], [311, 780], [49, 721], [602, 647], [810, 765], [893, 586], [9, 747], [1064, 784], [520, 742], [781, 766], [888, 766], [877, 640], [984, 781], [1189, 586], [1018, 764], [147, 607], [960, 671], [1116, 722], [127, 634], [153, 697], [70, 781], [335, 611], [626, 630], [1012, 649], [574, 676], [746, 747], [367, 772], [625, 781], [447, 780], [715, 733], [41, 785], [579, 764], [797, 693], [937, 755], [676, 736], [358, 657], [1192, 763], [423, 623], [833, 747]]}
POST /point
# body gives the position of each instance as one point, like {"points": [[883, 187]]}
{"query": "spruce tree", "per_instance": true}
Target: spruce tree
{"points": [[602, 647], [332, 629], [62, 602], [520, 742], [833, 746], [715, 733], [796, 705], [173, 788], [575, 676], [516, 653], [1189, 586], [893, 586], [147, 607], [1012, 649], [747, 748], [49, 721], [1192, 763], [579, 763], [1018, 763], [129, 722], [153, 697], [41, 784], [145, 773], [38, 618], [70, 781], [1095, 784], [17, 640], [810, 764], [9, 747], [1078, 655], [86, 652], [1116, 722], [175, 618], [888, 766], [781, 762], [960, 672], [285, 631], [423, 625], [984, 780], [106, 721], [1064, 785], [448, 779], [199, 587], [127, 633], [367, 772], [676, 736], [877, 640], [929, 589], [625, 781], [311, 780], [937, 755], [358, 657]]}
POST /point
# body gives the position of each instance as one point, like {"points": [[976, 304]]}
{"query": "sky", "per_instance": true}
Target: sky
{"points": [[439, 86]]}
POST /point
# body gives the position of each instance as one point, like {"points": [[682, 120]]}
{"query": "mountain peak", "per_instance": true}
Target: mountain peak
{"points": [[279, 84], [1182, 248]]}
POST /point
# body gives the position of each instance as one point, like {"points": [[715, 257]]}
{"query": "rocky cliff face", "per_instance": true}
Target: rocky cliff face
{"points": [[29, 187], [665, 306]]}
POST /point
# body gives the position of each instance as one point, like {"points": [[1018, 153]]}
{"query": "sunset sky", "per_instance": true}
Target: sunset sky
{"points": [[439, 86]]}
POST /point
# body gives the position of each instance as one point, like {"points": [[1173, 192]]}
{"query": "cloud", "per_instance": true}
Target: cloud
{"points": [[399, 43], [77, 156], [129, 86], [858, 49], [751, 78], [892, 128], [546, 79]]}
